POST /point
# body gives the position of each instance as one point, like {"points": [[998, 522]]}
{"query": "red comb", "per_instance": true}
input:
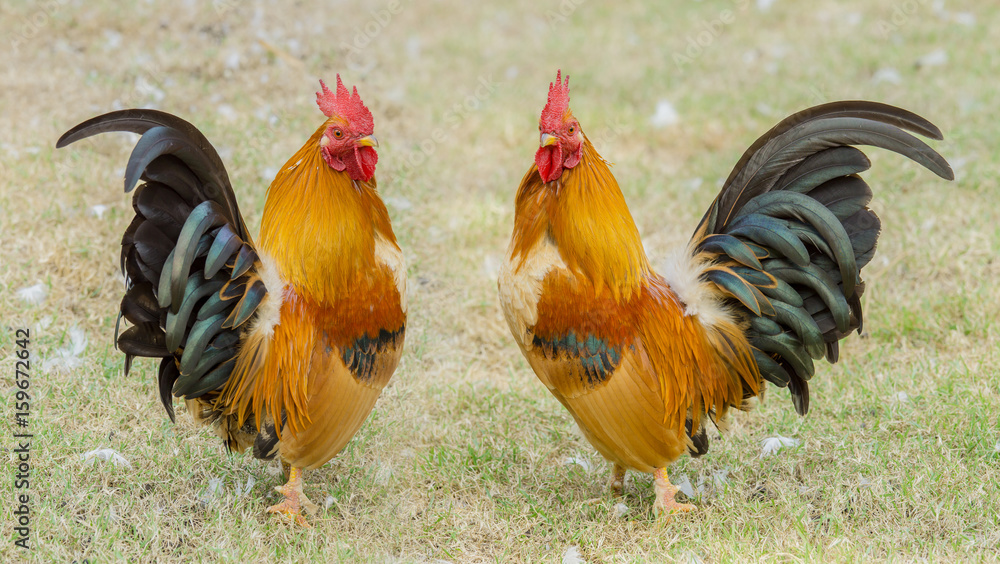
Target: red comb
{"points": [[346, 106], [555, 109]]}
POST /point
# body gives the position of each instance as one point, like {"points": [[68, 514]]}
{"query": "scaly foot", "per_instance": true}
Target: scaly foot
{"points": [[295, 500], [665, 491], [617, 480]]}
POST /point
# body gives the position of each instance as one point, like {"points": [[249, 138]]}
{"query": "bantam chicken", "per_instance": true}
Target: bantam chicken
{"points": [[283, 345], [769, 282]]}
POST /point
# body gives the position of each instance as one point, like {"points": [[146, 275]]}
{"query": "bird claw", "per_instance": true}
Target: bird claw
{"points": [[665, 503], [295, 501], [291, 512], [617, 488], [670, 507]]}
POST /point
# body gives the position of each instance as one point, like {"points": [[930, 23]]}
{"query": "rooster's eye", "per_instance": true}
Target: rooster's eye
{"points": [[338, 133], [572, 130]]}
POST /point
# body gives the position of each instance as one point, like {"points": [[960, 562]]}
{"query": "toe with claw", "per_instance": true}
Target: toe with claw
{"points": [[665, 503], [295, 500]]}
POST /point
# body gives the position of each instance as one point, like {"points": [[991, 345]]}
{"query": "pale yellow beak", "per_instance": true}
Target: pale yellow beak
{"points": [[368, 141], [548, 140]]}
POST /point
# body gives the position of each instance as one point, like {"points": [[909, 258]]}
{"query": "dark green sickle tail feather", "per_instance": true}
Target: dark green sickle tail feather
{"points": [[790, 232], [189, 262]]}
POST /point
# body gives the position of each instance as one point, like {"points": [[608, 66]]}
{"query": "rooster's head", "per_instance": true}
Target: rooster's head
{"points": [[347, 143], [561, 143]]}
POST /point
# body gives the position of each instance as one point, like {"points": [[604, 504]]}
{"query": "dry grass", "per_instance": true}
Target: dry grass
{"points": [[464, 458]]}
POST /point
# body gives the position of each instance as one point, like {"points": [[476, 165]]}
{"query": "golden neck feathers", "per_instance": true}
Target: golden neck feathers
{"points": [[321, 226], [584, 213]]}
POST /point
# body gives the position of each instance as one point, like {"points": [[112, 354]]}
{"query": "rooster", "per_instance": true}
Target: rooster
{"points": [[284, 344], [769, 282]]}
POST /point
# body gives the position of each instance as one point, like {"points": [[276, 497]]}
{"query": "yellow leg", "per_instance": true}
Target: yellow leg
{"points": [[665, 491], [617, 480], [295, 501]]}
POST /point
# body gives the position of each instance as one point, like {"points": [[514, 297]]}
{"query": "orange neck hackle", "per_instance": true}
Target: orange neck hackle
{"points": [[320, 226], [320, 230], [585, 215]]}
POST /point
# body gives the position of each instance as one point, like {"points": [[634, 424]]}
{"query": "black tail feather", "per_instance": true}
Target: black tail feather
{"points": [[184, 205], [796, 200]]}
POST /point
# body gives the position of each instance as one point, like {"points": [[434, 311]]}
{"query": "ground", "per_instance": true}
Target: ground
{"points": [[466, 457]]}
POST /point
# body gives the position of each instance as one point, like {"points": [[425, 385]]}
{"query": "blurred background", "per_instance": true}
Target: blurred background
{"points": [[466, 457]]}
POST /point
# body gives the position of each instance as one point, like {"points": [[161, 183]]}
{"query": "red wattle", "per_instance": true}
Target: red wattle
{"points": [[368, 157], [336, 163], [362, 166], [549, 162]]}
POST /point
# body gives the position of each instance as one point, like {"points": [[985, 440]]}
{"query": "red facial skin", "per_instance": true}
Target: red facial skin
{"points": [[564, 153], [343, 149]]}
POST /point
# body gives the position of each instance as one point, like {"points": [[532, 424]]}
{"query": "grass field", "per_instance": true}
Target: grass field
{"points": [[466, 457]]}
